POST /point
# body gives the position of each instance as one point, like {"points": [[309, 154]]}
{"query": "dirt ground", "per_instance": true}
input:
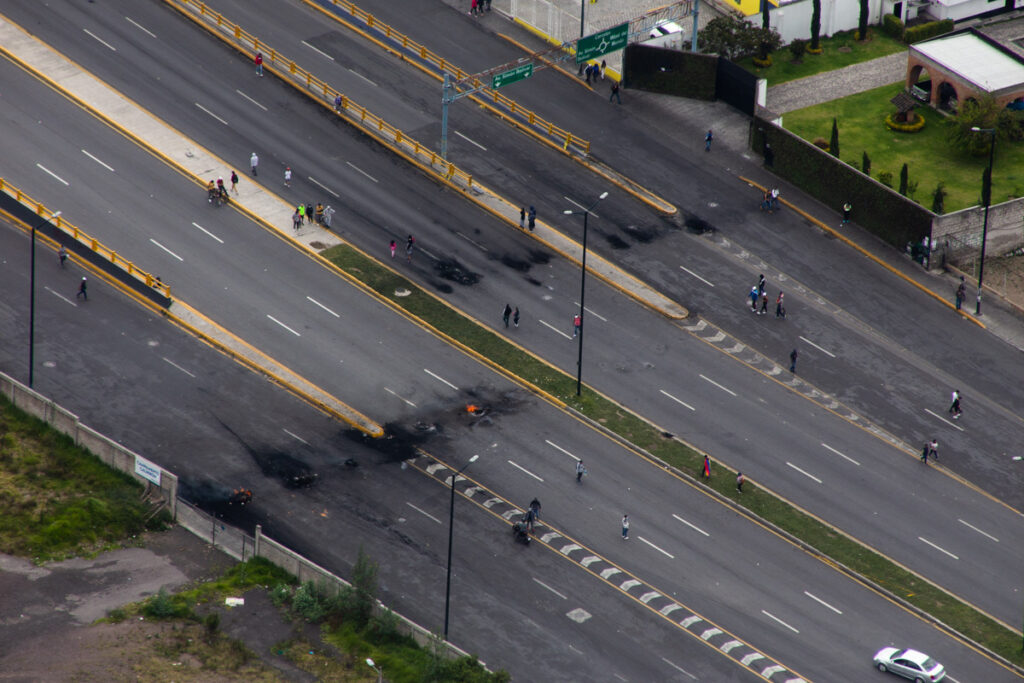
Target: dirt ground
{"points": [[47, 615]]}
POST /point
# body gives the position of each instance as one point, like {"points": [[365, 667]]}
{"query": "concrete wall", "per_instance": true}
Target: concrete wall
{"points": [[227, 538], [793, 20], [110, 452], [962, 230], [942, 9]]}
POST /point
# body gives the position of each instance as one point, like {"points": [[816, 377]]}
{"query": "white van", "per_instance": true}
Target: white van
{"points": [[668, 35]]}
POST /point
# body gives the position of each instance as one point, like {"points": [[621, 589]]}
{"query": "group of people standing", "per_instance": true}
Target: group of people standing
{"points": [[759, 293], [307, 213]]}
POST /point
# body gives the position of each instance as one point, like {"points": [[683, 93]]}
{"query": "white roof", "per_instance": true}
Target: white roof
{"points": [[975, 60]]}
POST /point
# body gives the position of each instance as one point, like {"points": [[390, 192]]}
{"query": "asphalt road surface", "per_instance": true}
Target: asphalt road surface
{"points": [[744, 419], [520, 608], [235, 272]]}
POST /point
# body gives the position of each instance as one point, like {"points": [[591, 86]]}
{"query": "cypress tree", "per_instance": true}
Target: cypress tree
{"points": [[904, 176], [833, 144]]}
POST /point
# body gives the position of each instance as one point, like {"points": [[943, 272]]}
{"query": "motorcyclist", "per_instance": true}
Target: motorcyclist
{"points": [[211, 191]]}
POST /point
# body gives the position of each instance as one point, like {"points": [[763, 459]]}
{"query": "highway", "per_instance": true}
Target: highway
{"points": [[204, 276], [517, 607]]}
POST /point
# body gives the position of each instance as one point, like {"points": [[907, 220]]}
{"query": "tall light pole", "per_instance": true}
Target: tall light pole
{"points": [[451, 527], [986, 196], [380, 670], [583, 282], [32, 302]]}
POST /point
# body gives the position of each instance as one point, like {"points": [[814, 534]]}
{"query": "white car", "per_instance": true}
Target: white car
{"points": [[917, 666]]}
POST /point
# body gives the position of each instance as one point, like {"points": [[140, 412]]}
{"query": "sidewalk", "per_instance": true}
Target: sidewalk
{"points": [[831, 85]]}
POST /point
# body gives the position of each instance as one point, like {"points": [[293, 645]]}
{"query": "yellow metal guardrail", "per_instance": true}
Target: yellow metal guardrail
{"points": [[565, 138], [79, 236], [352, 111]]}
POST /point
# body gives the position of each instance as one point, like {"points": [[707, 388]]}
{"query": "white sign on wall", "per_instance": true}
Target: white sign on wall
{"points": [[147, 470]]}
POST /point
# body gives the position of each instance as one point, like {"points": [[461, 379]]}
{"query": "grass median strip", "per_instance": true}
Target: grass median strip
{"points": [[863, 560]]}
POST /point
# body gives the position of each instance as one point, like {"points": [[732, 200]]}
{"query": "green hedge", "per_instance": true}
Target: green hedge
{"points": [[892, 25], [916, 34], [894, 218]]}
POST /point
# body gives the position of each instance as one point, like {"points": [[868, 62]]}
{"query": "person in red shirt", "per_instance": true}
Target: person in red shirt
{"points": [[259, 63]]}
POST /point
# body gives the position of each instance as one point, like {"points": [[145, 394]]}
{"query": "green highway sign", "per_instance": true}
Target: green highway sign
{"points": [[512, 75], [609, 40]]}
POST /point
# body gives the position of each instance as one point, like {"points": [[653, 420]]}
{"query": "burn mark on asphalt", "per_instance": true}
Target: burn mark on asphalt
{"points": [[640, 234], [698, 226], [616, 242], [451, 269]]}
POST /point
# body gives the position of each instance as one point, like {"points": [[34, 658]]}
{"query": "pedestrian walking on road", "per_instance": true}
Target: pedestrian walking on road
{"points": [[933, 449], [515, 317], [254, 162], [82, 290], [847, 208], [580, 471], [764, 304], [408, 248], [753, 298], [792, 360], [924, 452], [706, 470], [393, 246], [625, 527], [954, 409], [961, 293], [234, 182], [707, 140], [258, 59], [780, 308], [739, 482], [287, 176], [328, 215], [62, 255], [774, 200], [604, 67], [577, 325], [532, 218], [505, 314], [615, 93], [588, 70], [473, 7], [296, 220], [761, 283]]}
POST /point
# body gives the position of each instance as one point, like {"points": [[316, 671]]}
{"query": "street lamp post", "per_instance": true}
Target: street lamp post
{"points": [[451, 527], [380, 670], [583, 282], [986, 191], [32, 301]]}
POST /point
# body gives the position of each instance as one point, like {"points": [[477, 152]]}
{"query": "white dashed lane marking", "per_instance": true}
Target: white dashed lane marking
{"points": [[54, 175], [440, 379], [822, 602], [251, 100], [663, 552], [939, 417], [828, 353], [971, 526], [175, 365], [803, 472], [711, 381], [709, 284], [423, 512], [841, 455], [780, 621], [321, 52], [208, 233], [140, 27], [210, 113], [544, 585], [695, 528], [283, 325], [520, 467], [471, 141], [106, 166], [682, 403], [166, 249], [312, 300], [939, 548], [97, 38]]}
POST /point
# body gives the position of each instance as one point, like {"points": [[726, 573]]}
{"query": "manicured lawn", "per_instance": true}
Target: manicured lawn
{"points": [[783, 69], [929, 157]]}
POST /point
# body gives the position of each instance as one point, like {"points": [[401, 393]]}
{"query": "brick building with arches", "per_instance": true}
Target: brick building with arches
{"points": [[964, 65]]}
